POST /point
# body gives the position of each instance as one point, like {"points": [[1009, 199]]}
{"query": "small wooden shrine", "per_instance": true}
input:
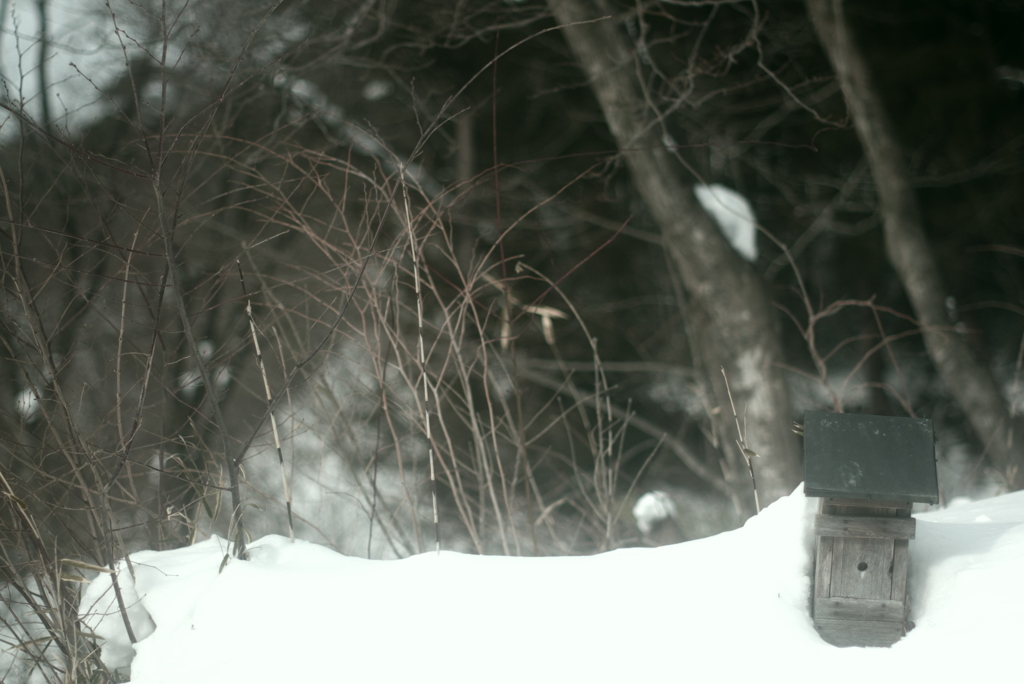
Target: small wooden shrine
{"points": [[868, 471]]}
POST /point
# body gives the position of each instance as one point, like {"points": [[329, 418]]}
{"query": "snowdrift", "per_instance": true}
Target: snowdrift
{"points": [[730, 608]]}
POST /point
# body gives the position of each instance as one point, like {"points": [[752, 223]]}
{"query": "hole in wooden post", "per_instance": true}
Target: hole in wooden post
{"points": [[862, 566]]}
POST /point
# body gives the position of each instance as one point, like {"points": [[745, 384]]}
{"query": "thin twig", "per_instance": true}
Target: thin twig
{"points": [[270, 397], [741, 442]]}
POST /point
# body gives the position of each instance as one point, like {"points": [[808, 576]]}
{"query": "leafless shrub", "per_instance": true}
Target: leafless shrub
{"points": [[139, 413]]}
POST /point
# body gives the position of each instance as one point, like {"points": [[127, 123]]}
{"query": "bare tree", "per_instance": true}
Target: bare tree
{"points": [[731, 315], [907, 244]]}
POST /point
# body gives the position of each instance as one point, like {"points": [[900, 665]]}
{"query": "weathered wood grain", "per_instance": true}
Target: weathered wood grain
{"points": [[860, 573], [859, 632], [823, 568], [864, 526], [860, 568], [858, 609], [900, 563], [861, 503]]}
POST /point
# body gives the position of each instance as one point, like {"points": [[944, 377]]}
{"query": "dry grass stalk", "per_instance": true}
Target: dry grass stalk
{"points": [[285, 489], [741, 442]]}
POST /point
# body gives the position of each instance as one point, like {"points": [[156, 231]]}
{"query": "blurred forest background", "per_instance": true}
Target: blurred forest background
{"points": [[469, 235]]}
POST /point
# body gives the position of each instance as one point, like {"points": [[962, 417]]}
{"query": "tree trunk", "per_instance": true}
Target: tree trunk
{"points": [[730, 311], [907, 246]]}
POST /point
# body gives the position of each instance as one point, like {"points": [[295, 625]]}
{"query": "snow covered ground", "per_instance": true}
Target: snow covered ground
{"points": [[729, 608]]}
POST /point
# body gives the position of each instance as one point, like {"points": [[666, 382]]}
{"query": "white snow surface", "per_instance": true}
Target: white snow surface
{"points": [[734, 216], [651, 509], [730, 608]]}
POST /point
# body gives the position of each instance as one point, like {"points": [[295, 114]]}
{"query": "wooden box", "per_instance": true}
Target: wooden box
{"points": [[868, 471]]}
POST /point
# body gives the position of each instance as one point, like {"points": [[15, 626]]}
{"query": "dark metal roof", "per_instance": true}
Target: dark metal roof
{"points": [[869, 457]]}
